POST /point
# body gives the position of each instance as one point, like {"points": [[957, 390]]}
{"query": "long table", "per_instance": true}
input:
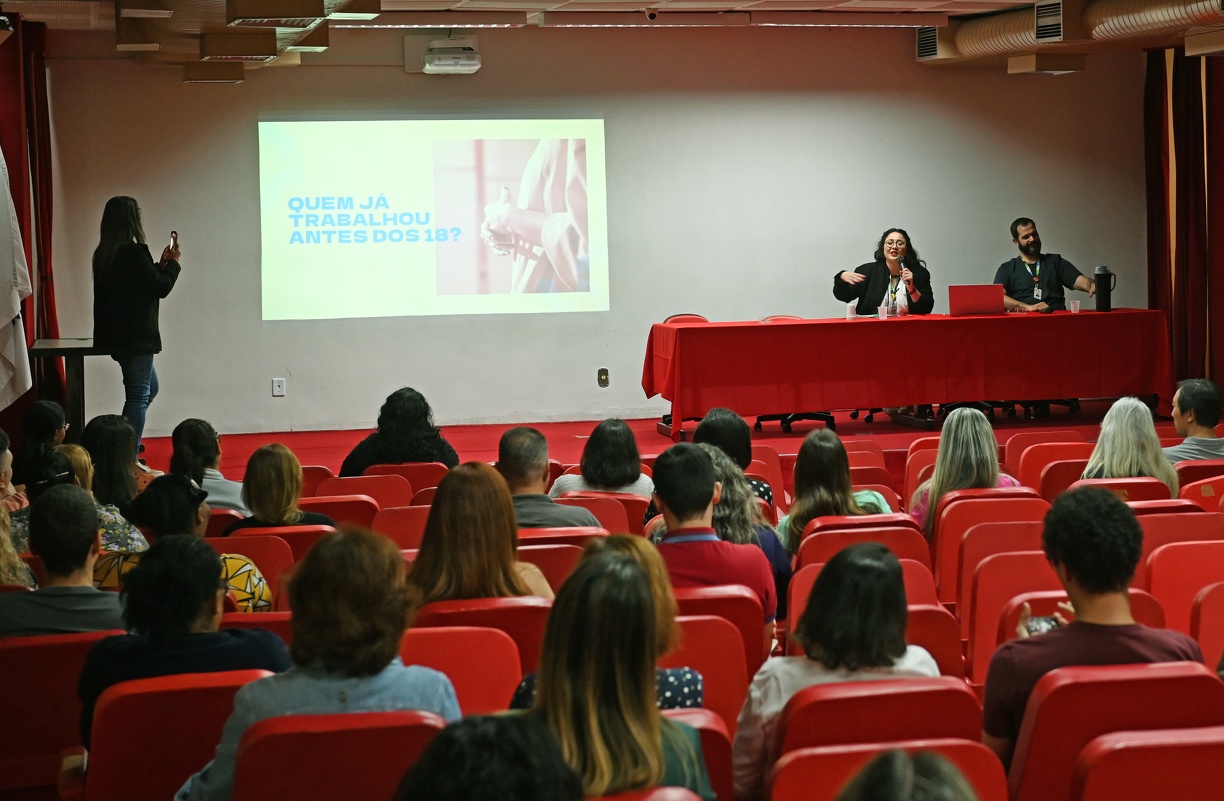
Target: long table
{"points": [[811, 365]]}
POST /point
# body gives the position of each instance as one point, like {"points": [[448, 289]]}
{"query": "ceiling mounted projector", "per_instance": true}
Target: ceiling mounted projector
{"points": [[456, 55]]}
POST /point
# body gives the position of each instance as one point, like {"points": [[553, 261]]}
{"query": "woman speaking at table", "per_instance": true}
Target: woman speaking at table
{"points": [[897, 279]]}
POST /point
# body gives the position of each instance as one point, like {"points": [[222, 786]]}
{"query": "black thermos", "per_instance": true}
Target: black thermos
{"points": [[1106, 283]]}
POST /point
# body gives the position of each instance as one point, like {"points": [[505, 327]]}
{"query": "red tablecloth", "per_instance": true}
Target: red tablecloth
{"points": [[775, 368]]}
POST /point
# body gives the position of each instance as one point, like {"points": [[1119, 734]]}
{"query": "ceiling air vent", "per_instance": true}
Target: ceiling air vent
{"points": [[936, 44], [1049, 21]]}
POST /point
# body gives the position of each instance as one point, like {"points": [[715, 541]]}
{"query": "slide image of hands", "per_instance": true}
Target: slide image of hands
{"points": [[528, 198]]}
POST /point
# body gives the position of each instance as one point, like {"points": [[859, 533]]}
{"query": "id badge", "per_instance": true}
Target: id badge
{"points": [[1036, 293]]}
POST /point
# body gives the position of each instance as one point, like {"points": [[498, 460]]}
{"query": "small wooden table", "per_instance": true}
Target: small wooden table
{"points": [[73, 352]]}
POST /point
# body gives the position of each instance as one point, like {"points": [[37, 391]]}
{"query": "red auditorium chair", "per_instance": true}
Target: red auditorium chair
{"points": [[865, 458], [872, 474], [312, 476], [984, 540], [848, 712], [1161, 530], [840, 522], [935, 629], [1176, 574], [713, 647], [768, 511], [737, 604], [482, 663], [1129, 489], [915, 463], [355, 510], [523, 618], [272, 555], [1016, 444], [1071, 706], [419, 474], [1058, 476], [575, 535], [903, 541], [1034, 459], [41, 711], [221, 519], [1206, 493], [15, 588], [635, 505], [715, 745], [276, 622], [386, 490], [1145, 609], [298, 538], [136, 719], [773, 472], [404, 524], [998, 579], [556, 562], [350, 755], [609, 512], [424, 497], [819, 774], [1207, 622], [1192, 470], [855, 444], [1172, 506], [1170, 764], [930, 443], [961, 510]]}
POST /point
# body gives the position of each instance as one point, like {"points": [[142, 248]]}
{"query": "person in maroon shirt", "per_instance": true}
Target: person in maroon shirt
{"points": [[1093, 542], [685, 494]]}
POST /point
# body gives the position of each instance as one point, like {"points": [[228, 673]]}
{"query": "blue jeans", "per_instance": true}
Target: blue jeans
{"points": [[139, 388]]}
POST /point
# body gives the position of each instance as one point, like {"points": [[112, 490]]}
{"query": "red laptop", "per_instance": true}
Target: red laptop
{"points": [[969, 299]]}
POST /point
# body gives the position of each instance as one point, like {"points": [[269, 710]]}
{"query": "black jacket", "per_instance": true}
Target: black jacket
{"points": [[126, 302], [870, 293]]}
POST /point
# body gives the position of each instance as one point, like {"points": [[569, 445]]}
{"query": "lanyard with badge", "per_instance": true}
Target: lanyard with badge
{"points": [[1036, 278]]}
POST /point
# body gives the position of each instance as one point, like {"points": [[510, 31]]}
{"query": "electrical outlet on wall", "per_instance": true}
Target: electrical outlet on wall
{"points": [[602, 377], [278, 387]]}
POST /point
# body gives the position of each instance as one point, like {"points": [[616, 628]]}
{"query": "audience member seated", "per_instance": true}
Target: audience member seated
{"points": [[522, 459], [738, 518], [173, 506], [43, 423], [49, 468], [470, 538], [350, 608], [1128, 446], [686, 493], [610, 463], [13, 571], [405, 433], [968, 458], [898, 776], [492, 758], [10, 498], [675, 688], [1093, 542], [852, 629], [65, 533], [597, 685], [118, 476], [1196, 411], [272, 489], [729, 432], [172, 607], [822, 487], [197, 455]]}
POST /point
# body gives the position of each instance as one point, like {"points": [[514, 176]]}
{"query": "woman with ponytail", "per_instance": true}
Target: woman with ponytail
{"points": [[197, 455]]}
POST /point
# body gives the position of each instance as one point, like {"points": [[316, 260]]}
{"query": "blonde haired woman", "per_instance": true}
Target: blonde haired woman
{"points": [[272, 488], [597, 685], [968, 458], [1128, 446]]}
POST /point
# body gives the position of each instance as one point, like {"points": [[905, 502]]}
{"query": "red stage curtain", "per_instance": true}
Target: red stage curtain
{"points": [[1214, 94], [1156, 163]]}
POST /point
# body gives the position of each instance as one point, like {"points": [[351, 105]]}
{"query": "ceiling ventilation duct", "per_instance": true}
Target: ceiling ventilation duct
{"points": [[937, 44]]}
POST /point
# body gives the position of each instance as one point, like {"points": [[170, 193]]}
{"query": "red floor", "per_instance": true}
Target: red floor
{"points": [[566, 440]]}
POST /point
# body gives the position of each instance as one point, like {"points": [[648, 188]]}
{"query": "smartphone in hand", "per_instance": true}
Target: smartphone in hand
{"points": [[1040, 625], [174, 240]]}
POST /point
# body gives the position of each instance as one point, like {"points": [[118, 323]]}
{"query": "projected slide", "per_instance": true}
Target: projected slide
{"points": [[390, 218]]}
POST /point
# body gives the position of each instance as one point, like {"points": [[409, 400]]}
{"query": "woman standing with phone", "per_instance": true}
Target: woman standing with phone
{"points": [[128, 286]]}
